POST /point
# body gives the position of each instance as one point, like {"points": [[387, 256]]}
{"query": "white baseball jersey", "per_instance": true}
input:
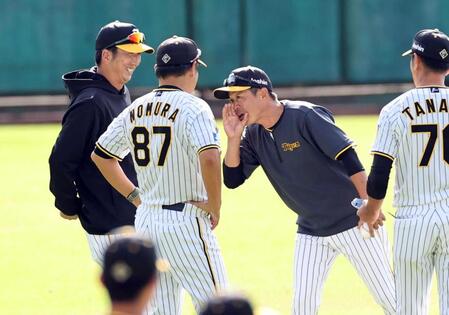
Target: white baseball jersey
{"points": [[413, 130], [165, 131]]}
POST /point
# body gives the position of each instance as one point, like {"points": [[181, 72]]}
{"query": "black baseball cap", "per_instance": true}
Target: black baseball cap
{"points": [[177, 51], [432, 44], [242, 79], [123, 35], [228, 305], [129, 264]]}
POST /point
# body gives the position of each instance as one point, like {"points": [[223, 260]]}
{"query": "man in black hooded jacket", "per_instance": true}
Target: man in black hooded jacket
{"points": [[97, 96]]}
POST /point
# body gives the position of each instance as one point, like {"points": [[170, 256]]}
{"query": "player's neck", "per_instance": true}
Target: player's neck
{"points": [[112, 78], [180, 82], [272, 115], [429, 79]]}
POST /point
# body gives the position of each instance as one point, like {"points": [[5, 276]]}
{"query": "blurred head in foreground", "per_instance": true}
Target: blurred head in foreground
{"points": [[130, 273]]}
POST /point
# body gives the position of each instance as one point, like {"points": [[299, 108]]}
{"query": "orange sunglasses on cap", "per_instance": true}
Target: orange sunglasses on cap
{"points": [[132, 43]]}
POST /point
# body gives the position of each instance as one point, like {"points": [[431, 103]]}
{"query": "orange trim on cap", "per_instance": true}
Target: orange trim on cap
{"points": [[136, 48]]}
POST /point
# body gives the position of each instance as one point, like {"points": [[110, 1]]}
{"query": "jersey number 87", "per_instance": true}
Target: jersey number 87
{"points": [[141, 141]]}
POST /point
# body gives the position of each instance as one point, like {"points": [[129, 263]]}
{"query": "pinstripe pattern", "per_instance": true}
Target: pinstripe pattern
{"points": [[421, 245], [108, 153], [415, 185], [315, 255], [421, 195], [98, 245], [183, 238], [179, 179]]}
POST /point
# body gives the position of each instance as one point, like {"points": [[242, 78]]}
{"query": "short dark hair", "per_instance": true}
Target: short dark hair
{"points": [[163, 72], [434, 65], [98, 52], [130, 294], [271, 93], [129, 264]]}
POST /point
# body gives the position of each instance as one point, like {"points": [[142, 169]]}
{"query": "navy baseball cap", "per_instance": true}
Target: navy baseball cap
{"points": [[228, 305], [177, 51], [432, 44], [242, 79], [129, 264], [124, 36]]}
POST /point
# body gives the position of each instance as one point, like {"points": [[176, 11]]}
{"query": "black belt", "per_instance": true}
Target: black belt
{"points": [[175, 207]]}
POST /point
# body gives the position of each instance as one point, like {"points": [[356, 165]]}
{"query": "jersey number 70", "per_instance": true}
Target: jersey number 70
{"points": [[141, 141], [433, 130]]}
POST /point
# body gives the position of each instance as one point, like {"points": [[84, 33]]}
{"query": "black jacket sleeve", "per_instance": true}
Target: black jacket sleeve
{"points": [[233, 177], [351, 162], [72, 147]]}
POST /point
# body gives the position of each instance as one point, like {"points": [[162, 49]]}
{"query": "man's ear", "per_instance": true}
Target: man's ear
{"points": [[263, 93], [106, 55], [417, 62], [192, 70]]}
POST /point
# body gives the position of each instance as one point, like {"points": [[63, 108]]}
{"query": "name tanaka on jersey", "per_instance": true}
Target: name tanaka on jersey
{"points": [[159, 109], [429, 108]]}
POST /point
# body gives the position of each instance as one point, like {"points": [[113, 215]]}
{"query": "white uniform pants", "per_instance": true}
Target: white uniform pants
{"points": [[98, 245], [421, 245], [314, 256], [186, 241]]}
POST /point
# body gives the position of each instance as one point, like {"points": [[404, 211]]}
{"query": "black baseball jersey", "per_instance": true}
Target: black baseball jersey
{"points": [[299, 156]]}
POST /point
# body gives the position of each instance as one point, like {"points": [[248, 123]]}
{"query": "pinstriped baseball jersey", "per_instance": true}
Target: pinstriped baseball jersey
{"points": [[164, 130], [413, 130]]}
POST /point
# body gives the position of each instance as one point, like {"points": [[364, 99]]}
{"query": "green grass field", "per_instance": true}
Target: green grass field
{"points": [[45, 264]]}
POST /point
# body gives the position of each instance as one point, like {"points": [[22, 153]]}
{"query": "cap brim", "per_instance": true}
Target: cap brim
{"points": [[136, 48], [407, 53], [201, 63], [223, 92], [197, 58]]}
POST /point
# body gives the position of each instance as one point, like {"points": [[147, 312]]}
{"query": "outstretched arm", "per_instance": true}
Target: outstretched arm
{"points": [[359, 179], [376, 188]]}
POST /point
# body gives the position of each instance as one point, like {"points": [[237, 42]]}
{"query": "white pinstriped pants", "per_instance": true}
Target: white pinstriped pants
{"points": [[421, 245], [186, 241], [98, 245], [314, 256]]}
